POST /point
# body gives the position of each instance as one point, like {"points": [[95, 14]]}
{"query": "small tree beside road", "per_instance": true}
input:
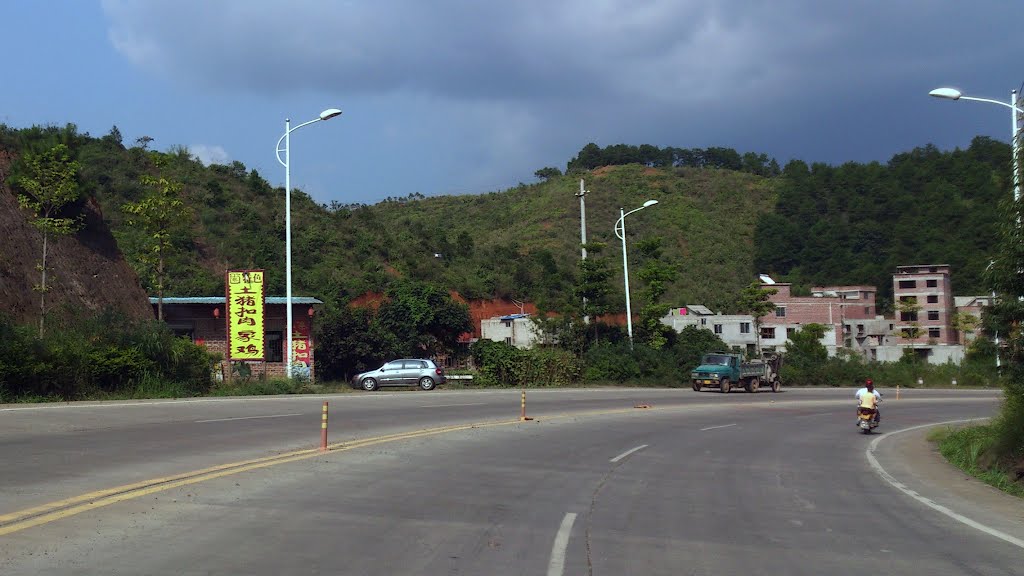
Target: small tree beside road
{"points": [[754, 300], [48, 186]]}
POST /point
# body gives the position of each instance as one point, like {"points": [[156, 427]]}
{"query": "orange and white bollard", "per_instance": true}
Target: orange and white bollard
{"points": [[522, 409], [323, 429]]}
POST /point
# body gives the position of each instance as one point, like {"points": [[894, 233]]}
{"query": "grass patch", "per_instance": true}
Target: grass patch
{"points": [[276, 386], [970, 449]]}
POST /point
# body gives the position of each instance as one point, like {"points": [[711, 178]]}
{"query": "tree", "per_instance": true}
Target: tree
{"points": [[754, 300], [49, 185], [805, 350], [692, 343], [592, 290], [159, 212], [656, 274], [423, 318], [907, 309], [547, 173], [965, 323]]}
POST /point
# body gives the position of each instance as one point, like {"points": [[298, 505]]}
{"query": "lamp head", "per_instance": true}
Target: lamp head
{"points": [[947, 93], [330, 113], [650, 203]]}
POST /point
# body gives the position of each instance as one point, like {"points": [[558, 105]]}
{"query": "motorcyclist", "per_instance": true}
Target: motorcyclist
{"points": [[868, 397]]}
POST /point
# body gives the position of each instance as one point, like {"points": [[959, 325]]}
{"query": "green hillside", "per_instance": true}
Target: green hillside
{"points": [[719, 221]]}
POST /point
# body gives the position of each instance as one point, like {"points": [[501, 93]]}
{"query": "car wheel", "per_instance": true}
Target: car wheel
{"points": [[369, 384], [776, 385], [696, 386], [725, 386], [753, 384], [427, 383]]}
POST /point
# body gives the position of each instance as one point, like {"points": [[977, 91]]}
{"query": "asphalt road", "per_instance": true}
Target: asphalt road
{"points": [[697, 483]]}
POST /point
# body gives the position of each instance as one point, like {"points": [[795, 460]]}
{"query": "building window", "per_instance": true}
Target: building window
{"points": [[780, 312], [744, 327], [865, 295], [932, 283], [508, 340], [908, 316], [507, 323], [768, 333], [867, 310], [718, 328], [703, 321], [933, 314], [790, 332], [860, 328], [935, 332], [933, 299], [907, 332], [908, 283], [274, 346]]}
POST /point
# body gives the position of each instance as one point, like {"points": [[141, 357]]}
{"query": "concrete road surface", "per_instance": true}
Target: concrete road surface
{"points": [[454, 483]]}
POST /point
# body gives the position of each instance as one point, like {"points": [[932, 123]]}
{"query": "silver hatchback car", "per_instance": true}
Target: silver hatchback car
{"points": [[403, 372]]}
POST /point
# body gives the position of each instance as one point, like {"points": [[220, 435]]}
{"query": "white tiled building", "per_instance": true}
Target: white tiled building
{"points": [[515, 329]]}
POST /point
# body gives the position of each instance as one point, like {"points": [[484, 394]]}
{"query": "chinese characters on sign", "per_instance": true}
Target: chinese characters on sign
{"points": [[300, 343], [245, 299]]}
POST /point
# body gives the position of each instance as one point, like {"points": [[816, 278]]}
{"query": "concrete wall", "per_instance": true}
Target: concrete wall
{"points": [[519, 332]]}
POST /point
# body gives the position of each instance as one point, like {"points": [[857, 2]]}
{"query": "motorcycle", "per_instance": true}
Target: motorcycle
{"points": [[866, 419]]}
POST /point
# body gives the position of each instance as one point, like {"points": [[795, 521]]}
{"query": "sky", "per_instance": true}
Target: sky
{"points": [[474, 96]]}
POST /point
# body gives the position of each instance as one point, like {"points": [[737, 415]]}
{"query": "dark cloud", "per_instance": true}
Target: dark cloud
{"points": [[526, 84]]}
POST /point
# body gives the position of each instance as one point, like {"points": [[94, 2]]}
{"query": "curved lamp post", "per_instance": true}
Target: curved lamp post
{"points": [[620, 231], [286, 138], [954, 94]]}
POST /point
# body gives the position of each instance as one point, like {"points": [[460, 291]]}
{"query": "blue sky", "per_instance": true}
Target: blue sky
{"points": [[473, 96]]}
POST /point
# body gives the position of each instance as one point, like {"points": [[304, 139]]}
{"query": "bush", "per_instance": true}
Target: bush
{"points": [[501, 364], [107, 355]]}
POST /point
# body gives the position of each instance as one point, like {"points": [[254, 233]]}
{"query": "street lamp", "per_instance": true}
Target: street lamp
{"points": [[620, 231], [325, 115], [954, 94]]}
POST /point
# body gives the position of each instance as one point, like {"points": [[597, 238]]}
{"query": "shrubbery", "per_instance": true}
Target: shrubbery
{"points": [[103, 355], [501, 364]]}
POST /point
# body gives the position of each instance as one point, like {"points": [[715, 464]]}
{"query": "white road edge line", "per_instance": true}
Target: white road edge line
{"points": [[628, 452], [448, 405], [556, 566], [714, 427], [869, 452], [245, 418]]}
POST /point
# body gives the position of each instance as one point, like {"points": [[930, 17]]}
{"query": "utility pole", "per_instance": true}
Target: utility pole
{"points": [[583, 240]]}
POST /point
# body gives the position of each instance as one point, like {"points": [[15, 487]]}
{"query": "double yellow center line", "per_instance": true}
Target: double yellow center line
{"points": [[60, 509], [45, 513]]}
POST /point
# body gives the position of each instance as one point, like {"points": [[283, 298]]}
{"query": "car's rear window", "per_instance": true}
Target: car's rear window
{"points": [[415, 364]]}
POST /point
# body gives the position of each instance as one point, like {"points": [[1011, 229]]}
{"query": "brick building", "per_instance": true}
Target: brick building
{"points": [[202, 319], [930, 286]]}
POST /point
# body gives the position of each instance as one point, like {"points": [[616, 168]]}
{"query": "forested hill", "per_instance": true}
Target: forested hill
{"points": [[718, 222]]}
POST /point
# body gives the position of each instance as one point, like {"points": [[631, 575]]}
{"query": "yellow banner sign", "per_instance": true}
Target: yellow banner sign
{"points": [[245, 308]]}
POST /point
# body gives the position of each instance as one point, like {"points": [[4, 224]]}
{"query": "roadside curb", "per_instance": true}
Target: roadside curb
{"points": [[928, 463]]}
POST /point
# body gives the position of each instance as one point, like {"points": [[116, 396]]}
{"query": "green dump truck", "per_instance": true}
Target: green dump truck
{"points": [[723, 370]]}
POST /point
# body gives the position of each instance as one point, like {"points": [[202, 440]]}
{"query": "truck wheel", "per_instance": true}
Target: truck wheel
{"points": [[753, 384], [725, 386], [776, 385], [696, 386]]}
